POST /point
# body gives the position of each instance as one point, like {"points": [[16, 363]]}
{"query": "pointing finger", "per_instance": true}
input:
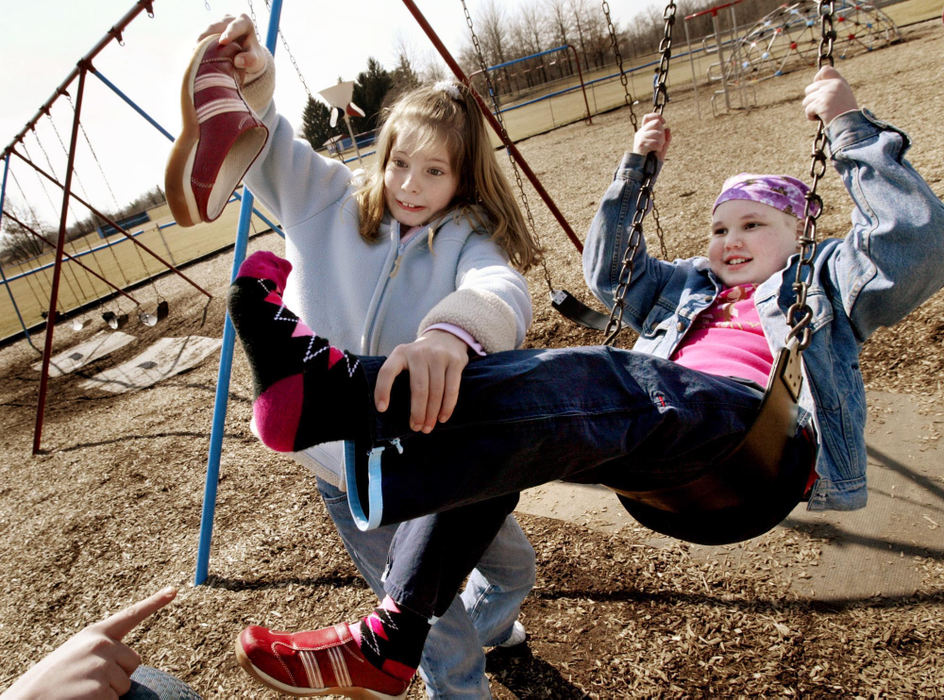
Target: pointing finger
{"points": [[122, 622]]}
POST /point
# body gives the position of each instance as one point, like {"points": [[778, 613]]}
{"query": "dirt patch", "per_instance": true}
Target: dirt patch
{"points": [[110, 511]]}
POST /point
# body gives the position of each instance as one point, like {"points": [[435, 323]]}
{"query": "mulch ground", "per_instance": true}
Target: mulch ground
{"points": [[109, 511]]}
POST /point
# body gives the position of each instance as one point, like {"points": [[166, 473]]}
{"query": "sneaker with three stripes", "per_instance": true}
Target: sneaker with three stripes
{"points": [[220, 136], [321, 662]]}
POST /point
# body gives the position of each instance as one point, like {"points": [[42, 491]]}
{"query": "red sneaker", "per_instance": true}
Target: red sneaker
{"points": [[220, 138], [323, 662]]}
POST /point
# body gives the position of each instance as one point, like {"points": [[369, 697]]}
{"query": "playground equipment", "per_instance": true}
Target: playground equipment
{"points": [[786, 38], [519, 82], [339, 97], [73, 89], [783, 40], [725, 71]]}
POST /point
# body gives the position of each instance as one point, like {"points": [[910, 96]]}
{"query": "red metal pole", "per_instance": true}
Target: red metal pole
{"points": [[487, 113], [57, 268], [113, 33], [582, 86]]}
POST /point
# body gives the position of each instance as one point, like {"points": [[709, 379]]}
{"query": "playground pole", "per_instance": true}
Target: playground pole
{"points": [[226, 360], [57, 270], [493, 122], [6, 282]]}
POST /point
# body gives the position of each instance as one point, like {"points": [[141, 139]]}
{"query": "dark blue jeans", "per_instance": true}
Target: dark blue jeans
{"points": [[620, 418]]}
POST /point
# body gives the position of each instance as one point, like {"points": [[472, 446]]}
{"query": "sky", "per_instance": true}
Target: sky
{"points": [[120, 154]]}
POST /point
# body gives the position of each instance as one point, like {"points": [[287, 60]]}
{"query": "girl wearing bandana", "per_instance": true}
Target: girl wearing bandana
{"points": [[656, 416]]}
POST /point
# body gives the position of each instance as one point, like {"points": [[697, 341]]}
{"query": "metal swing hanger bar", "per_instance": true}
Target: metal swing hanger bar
{"points": [[84, 64], [490, 118]]}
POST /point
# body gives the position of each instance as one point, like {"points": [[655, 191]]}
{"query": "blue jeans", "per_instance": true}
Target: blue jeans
{"points": [[453, 662], [624, 419]]}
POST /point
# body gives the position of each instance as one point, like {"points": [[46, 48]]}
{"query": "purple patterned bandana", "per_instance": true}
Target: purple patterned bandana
{"points": [[778, 191]]}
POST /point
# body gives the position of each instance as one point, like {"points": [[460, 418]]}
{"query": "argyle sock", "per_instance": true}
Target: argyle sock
{"points": [[305, 391], [392, 638]]}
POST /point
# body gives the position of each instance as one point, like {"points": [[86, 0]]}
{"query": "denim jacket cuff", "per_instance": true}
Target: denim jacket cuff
{"points": [[631, 167], [851, 127]]}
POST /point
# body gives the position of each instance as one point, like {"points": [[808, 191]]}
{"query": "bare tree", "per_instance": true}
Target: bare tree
{"points": [[578, 7], [17, 242], [405, 76], [529, 29], [494, 40], [559, 19]]}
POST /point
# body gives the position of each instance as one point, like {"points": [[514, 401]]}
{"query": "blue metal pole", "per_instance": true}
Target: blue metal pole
{"points": [[131, 103], [6, 282], [226, 361]]}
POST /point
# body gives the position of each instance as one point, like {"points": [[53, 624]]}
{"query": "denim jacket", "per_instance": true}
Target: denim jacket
{"points": [[890, 262]]}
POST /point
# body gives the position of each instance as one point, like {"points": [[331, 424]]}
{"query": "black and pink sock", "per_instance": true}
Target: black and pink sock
{"points": [[306, 391], [392, 638]]}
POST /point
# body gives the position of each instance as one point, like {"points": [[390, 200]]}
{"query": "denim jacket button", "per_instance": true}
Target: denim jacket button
{"points": [[680, 326]]}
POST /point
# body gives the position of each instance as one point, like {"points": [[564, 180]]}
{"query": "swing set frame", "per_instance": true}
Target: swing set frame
{"points": [[72, 88]]}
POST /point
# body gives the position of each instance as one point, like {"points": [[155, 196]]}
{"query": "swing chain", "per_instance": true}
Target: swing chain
{"points": [[496, 109], [800, 315], [660, 95], [288, 51], [98, 162], [615, 323], [624, 80], [645, 197]]}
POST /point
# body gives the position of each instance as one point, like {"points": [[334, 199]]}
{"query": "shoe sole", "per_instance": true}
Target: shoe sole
{"points": [[266, 679], [177, 188]]}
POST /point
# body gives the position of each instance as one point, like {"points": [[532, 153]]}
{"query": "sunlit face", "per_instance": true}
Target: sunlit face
{"points": [[750, 241], [419, 183]]}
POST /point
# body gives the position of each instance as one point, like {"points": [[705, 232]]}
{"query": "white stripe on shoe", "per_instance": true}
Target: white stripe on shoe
{"points": [[309, 660], [210, 80], [339, 666], [221, 106]]}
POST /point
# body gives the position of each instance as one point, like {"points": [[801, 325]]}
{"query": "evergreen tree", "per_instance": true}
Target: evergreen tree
{"points": [[404, 76], [370, 90], [316, 124]]}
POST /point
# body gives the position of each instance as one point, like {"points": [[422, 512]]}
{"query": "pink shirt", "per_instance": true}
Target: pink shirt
{"points": [[727, 339]]}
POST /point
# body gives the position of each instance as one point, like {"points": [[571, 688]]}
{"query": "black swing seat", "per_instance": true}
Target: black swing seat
{"points": [[571, 307], [754, 487], [115, 321]]}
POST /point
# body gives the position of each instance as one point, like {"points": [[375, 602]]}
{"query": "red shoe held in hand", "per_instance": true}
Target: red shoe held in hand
{"points": [[220, 138]]}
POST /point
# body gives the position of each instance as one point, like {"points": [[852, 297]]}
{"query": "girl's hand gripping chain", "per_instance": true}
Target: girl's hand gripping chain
{"points": [[828, 96], [652, 136]]}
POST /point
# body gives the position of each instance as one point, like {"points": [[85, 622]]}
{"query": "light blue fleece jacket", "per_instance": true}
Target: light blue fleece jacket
{"points": [[370, 297]]}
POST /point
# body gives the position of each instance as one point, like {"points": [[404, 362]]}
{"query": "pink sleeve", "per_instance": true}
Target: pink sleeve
{"points": [[460, 333]]}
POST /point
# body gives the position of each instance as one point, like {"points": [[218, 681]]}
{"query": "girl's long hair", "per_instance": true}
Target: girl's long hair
{"points": [[448, 113]]}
